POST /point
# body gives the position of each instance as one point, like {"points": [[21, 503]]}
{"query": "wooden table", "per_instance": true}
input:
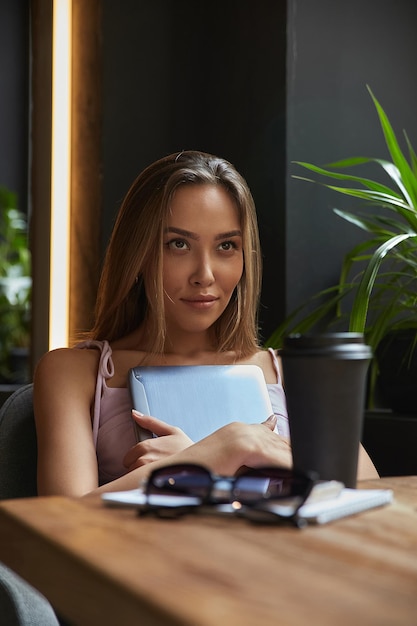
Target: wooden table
{"points": [[107, 566]]}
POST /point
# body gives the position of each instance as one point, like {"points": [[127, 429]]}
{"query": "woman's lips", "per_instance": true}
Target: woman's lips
{"points": [[203, 303]]}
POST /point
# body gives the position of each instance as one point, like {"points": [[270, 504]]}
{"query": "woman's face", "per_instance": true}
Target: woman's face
{"points": [[202, 258]]}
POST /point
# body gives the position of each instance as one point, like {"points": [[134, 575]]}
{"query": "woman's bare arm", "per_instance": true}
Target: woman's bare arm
{"points": [[64, 385]]}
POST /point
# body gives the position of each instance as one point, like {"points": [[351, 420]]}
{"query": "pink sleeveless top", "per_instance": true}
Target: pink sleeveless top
{"points": [[113, 430]]}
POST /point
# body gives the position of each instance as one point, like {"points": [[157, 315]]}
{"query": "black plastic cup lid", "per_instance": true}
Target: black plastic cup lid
{"points": [[342, 344]]}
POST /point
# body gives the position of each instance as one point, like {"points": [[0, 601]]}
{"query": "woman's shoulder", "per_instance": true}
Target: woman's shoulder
{"points": [[264, 355], [267, 361], [68, 359]]}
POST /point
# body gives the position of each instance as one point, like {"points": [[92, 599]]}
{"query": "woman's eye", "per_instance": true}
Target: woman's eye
{"points": [[177, 244], [227, 246]]}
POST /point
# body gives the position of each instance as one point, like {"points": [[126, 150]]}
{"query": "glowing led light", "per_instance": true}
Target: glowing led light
{"points": [[60, 174]]}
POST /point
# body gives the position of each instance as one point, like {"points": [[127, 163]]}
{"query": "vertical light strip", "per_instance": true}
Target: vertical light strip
{"points": [[60, 175]]}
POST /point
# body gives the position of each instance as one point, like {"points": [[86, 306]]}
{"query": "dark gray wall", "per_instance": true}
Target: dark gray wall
{"points": [[207, 75], [260, 83], [334, 50], [14, 97]]}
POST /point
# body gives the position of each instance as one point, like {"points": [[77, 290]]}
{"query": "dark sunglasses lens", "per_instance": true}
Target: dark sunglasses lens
{"points": [[270, 483], [180, 479]]}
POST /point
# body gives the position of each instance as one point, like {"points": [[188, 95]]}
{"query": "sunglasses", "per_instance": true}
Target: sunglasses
{"points": [[250, 493]]}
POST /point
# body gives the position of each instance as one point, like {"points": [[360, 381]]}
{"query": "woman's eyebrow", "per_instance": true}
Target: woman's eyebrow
{"points": [[191, 235], [231, 233], [181, 231]]}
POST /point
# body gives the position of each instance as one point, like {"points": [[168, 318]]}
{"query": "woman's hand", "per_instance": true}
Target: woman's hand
{"points": [[224, 452], [236, 445], [169, 440]]}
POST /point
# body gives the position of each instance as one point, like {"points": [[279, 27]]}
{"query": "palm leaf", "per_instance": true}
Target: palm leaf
{"points": [[328, 300], [413, 156], [366, 182], [371, 226], [361, 302], [397, 156]]}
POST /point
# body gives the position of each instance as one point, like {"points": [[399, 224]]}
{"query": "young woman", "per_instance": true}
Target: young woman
{"points": [[180, 286]]}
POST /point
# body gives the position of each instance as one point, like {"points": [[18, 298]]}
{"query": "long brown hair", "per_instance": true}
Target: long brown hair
{"points": [[131, 285]]}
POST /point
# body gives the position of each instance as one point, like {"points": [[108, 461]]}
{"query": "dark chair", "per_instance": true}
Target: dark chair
{"points": [[18, 448], [20, 603]]}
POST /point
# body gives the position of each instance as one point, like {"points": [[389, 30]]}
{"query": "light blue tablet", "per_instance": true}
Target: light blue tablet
{"points": [[199, 399]]}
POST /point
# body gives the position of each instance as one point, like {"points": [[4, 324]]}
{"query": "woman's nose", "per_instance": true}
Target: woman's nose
{"points": [[203, 273]]}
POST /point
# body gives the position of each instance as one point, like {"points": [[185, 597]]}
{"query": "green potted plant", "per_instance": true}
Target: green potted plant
{"points": [[15, 291], [377, 289]]}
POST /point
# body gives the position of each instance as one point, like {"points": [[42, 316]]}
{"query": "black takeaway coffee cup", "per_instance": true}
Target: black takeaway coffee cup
{"points": [[325, 386]]}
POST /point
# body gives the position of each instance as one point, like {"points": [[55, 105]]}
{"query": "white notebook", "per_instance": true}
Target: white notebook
{"points": [[348, 502], [317, 509], [199, 399]]}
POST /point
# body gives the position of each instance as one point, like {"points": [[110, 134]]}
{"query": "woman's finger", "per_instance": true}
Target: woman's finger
{"points": [[271, 422]]}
